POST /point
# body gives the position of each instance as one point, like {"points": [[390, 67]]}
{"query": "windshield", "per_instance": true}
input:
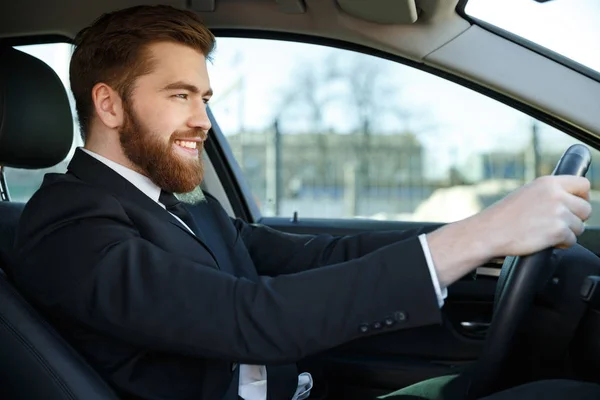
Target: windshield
{"points": [[570, 28]]}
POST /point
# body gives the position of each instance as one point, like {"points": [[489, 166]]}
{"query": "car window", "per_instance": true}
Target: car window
{"points": [[331, 133], [567, 27], [22, 183]]}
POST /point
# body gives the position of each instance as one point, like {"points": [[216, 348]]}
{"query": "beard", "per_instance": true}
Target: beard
{"points": [[158, 159]]}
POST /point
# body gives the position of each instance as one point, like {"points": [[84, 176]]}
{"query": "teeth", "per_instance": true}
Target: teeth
{"points": [[186, 143]]}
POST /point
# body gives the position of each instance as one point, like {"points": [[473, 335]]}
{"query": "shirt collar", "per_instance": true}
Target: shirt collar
{"points": [[143, 183]]}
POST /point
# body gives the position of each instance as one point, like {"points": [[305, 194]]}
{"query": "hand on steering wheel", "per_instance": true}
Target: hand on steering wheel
{"points": [[515, 293]]}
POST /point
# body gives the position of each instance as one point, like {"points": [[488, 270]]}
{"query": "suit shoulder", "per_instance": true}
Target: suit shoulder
{"points": [[62, 198], [67, 191]]}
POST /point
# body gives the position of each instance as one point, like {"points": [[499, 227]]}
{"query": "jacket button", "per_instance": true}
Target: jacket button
{"points": [[400, 316], [389, 321], [377, 325], [363, 328]]}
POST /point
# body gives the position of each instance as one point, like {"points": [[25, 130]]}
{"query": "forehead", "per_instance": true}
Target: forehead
{"points": [[175, 62]]}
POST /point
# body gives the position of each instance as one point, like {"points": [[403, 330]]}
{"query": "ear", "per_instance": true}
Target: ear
{"points": [[108, 105]]}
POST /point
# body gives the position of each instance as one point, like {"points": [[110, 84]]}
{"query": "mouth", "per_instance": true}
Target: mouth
{"points": [[188, 146]]}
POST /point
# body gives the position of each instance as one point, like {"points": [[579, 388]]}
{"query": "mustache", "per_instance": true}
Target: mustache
{"points": [[190, 133]]}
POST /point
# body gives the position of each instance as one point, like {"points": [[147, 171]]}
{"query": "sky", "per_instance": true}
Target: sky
{"points": [[250, 77]]}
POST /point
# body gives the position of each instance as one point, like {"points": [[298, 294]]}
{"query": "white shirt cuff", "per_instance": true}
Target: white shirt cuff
{"points": [[440, 292]]}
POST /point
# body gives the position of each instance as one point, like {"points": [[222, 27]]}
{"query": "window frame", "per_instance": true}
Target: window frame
{"points": [[230, 175]]}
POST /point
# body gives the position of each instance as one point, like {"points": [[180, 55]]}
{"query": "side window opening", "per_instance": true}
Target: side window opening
{"points": [[330, 133]]}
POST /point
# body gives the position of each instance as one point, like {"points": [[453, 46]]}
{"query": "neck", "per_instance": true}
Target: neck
{"points": [[111, 149]]}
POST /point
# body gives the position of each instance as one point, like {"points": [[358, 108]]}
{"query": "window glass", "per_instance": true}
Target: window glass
{"points": [[567, 27], [22, 183], [331, 133]]}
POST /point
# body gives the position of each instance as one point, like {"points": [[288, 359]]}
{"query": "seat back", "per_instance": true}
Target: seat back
{"points": [[36, 131], [9, 218]]}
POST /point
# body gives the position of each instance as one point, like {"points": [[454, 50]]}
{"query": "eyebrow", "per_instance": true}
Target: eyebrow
{"points": [[186, 86]]}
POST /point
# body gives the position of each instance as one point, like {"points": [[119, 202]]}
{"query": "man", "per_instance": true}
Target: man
{"points": [[170, 305]]}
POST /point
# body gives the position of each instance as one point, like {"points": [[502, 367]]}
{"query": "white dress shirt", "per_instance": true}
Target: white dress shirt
{"points": [[253, 378], [440, 292]]}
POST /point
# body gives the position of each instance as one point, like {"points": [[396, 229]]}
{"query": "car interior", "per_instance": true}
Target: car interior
{"points": [[551, 331]]}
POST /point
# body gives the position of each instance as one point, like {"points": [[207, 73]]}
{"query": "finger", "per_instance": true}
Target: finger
{"points": [[564, 245], [575, 224], [569, 240], [571, 227], [576, 185], [578, 206]]}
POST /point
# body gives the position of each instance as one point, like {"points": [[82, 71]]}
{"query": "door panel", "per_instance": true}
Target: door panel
{"points": [[376, 365], [379, 364]]}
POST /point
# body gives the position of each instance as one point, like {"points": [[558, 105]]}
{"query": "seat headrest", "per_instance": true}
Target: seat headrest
{"points": [[36, 124]]}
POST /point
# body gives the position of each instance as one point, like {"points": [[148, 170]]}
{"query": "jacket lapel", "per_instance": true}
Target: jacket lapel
{"points": [[93, 171], [199, 236]]}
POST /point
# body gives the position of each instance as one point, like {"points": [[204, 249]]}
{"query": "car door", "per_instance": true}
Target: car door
{"points": [[310, 138]]}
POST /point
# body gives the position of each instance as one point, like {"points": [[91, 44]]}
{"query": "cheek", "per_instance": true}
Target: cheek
{"points": [[160, 118]]}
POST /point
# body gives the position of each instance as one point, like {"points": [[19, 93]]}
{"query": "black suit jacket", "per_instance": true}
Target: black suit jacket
{"points": [[164, 314]]}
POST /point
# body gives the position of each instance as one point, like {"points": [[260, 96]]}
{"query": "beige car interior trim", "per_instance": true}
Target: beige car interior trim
{"points": [[212, 184], [203, 5], [511, 69], [292, 6], [437, 22], [381, 11]]}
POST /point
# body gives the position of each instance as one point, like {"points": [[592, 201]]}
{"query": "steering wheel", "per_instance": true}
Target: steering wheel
{"points": [[519, 279]]}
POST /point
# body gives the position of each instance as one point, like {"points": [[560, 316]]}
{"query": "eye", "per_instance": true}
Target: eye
{"points": [[205, 101], [183, 96]]}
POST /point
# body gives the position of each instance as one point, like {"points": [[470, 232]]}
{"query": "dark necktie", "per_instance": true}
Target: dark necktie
{"points": [[177, 208]]}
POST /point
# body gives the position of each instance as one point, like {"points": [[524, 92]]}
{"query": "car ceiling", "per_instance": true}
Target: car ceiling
{"points": [[437, 22]]}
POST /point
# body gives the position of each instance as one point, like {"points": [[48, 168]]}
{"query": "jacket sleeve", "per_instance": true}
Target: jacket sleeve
{"points": [[89, 263], [301, 252]]}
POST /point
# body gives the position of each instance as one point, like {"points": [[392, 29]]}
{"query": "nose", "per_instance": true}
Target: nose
{"points": [[200, 120]]}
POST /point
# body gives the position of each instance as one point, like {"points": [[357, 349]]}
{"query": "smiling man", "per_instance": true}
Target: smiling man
{"points": [[170, 304], [161, 135]]}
